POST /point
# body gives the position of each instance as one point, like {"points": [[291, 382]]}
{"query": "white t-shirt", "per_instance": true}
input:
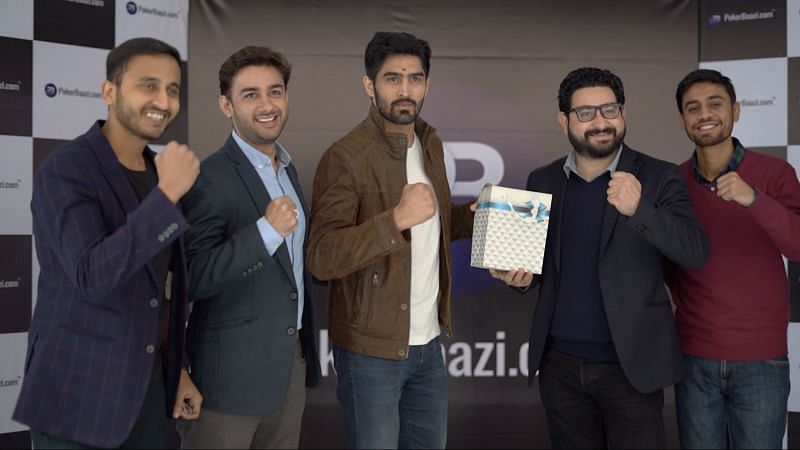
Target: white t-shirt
{"points": [[424, 261]]}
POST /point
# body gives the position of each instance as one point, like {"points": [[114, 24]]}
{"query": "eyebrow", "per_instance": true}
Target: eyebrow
{"points": [[398, 74], [713, 97], [249, 89]]}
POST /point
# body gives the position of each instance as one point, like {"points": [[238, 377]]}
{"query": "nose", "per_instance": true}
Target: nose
{"points": [[404, 87], [161, 100]]}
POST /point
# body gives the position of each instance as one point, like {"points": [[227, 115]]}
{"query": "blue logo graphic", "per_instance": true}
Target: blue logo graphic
{"points": [[715, 19], [50, 90], [131, 7]]}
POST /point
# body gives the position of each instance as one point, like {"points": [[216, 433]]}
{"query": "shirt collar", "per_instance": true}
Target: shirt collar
{"points": [[570, 165], [733, 164], [257, 158]]}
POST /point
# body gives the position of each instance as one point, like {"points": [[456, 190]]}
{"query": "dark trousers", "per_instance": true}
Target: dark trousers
{"points": [[149, 431], [593, 405]]}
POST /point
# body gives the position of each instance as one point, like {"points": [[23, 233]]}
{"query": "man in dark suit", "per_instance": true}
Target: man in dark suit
{"points": [[251, 334], [603, 337], [105, 347]]}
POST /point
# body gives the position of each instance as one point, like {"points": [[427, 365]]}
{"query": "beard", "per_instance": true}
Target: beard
{"points": [[711, 140], [393, 112], [599, 151], [127, 118]]}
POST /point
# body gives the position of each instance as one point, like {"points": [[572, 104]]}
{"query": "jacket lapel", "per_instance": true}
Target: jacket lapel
{"points": [[111, 170], [628, 162], [259, 195]]}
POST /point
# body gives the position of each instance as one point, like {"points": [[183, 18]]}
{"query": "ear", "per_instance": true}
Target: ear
{"points": [[563, 120], [736, 110], [369, 87], [225, 106], [427, 85], [109, 90], [622, 109]]}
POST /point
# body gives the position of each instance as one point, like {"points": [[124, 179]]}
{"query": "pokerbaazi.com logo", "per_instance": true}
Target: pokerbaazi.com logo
{"points": [[716, 19], [133, 8], [51, 90]]}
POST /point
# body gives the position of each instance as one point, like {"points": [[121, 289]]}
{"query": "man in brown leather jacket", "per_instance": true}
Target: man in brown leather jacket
{"points": [[381, 226]]}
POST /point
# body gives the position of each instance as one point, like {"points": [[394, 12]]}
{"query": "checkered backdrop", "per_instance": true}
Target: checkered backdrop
{"points": [[757, 44], [53, 62]]}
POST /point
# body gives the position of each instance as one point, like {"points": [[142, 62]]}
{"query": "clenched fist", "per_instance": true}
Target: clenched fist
{"points": [[177, 168], [517, 278], [624, 192], [282, 214], [417, 205], [732, 187]]}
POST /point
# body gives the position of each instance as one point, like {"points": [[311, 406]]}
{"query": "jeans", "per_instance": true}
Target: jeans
{"points": [[592, 404], [741, 403], [393, 404]]}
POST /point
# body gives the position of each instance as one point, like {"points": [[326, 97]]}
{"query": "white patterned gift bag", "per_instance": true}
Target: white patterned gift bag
{"points": [[510, 229]]}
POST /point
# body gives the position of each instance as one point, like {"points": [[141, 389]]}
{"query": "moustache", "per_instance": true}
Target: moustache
{"points": [[404, 100], [596, 131]]}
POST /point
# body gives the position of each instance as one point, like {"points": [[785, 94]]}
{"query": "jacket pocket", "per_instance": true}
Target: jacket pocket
{"points": [[88, 333], [227, 324], [367, 300]]}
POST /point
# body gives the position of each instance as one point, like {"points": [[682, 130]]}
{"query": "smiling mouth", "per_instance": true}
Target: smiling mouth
{"points": [[156, 116], [707, 127], [269, 119]]}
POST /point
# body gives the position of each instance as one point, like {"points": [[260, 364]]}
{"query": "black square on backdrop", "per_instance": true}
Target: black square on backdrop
{"points": [[16, 94], [178, 130], [42, 148], [88, 23], [742, 29], [777, 152], [15, 284], [794, 101]]}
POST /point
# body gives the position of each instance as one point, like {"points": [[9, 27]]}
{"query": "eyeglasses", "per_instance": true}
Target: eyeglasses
{"points": [[587, 113]]}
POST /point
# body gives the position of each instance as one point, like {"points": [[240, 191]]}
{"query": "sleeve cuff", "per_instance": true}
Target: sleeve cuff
{"points": [[272, 240]]}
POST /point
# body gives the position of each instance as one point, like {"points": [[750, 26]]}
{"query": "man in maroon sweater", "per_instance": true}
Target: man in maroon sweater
{"points": [[733, 313]]}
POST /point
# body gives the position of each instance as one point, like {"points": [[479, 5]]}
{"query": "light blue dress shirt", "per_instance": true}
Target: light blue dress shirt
{"points": [[278, 184]]}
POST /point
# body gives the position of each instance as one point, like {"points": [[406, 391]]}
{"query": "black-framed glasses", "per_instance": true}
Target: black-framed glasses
{"points": [[587, 113]]}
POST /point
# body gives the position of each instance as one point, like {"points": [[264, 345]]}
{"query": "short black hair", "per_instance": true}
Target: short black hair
{"points": [[252, 56], [588, 77], [117, 60], [385, 44], [703, 76]]}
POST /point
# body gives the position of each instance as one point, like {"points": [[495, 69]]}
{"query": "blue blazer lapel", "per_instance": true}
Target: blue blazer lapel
{"points": [[111, 170], [260, 197]]}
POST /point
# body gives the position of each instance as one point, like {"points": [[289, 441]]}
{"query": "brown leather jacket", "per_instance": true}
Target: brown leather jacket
{"points": [[355, 244]]}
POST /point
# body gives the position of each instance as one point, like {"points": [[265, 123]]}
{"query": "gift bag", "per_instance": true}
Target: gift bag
{"points": [[510, 229]]}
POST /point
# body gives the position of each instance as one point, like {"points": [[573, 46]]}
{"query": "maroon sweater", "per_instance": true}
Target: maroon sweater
{"points": [[737, 306]]}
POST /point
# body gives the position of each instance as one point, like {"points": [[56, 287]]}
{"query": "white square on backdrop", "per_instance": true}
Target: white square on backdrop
{"points": [[167, 20], [16, 184], [15, 346], [16, 19]]}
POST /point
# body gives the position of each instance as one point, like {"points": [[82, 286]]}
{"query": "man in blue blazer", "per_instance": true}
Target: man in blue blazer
{"points": [[105, 347], [251, 335], [603, 338]]}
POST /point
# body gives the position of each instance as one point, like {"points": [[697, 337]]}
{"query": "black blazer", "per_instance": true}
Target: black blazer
{"points": [[241, 334], [631, 250]]}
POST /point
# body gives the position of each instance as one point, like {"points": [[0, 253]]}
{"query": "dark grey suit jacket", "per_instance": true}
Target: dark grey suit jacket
{"points": [[631, 251], [242, 329]]}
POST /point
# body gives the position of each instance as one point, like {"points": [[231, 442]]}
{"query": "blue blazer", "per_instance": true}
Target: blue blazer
{"points": [[96, 323]]}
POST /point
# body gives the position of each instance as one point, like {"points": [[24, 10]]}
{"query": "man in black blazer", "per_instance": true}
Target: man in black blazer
{"points": [[603, 337], [251, 336]]}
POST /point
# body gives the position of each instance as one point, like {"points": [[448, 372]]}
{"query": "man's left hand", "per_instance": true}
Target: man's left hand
{"points": [[189, 399], [732, 187], [624, 192]]}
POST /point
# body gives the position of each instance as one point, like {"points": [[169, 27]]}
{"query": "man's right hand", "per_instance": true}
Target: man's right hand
{"points": [[517, 278], [177, 168], [417, 205], [281, 213]]}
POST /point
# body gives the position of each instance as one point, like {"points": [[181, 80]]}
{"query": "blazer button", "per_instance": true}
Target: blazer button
{"points": [[260, 264], [293, 296], [150, 349], [154, 303], [290, 331], [401, 352], [161, 238], [403, 307]]}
